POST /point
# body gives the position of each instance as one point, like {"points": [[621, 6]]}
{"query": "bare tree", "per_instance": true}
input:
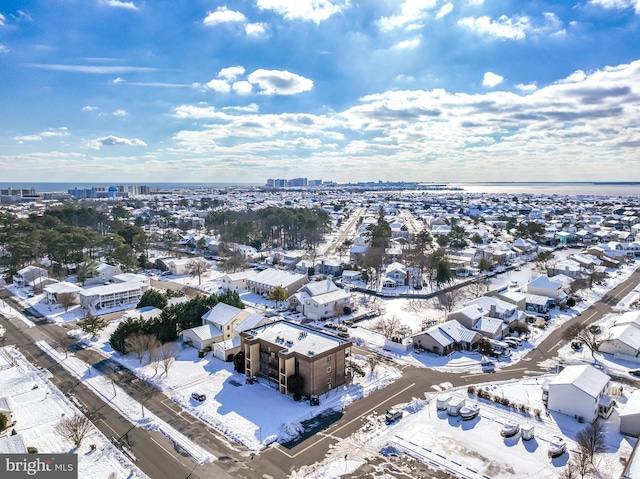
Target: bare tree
{"points": [[67, 299], [112, 375], [196, 267], [154, 359], [592, 440], [451, 298], [139, 344], [74, 428], [583, 333], [63, 341], [373, 360], [387, 326], [168, 354], [235, 262], [477, 287]]}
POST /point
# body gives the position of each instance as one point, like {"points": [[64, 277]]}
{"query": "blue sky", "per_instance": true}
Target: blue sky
{"points": [[342, 90]]}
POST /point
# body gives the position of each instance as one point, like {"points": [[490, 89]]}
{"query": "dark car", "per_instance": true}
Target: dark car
{"points": [[635, 372], [198, 397]]}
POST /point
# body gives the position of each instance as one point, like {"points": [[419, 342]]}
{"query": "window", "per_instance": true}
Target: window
{"points": [[329, 358], [329, 370], [329, 382]]}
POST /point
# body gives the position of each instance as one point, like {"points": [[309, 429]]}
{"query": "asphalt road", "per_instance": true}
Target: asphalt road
{"points": [[275, 461]]}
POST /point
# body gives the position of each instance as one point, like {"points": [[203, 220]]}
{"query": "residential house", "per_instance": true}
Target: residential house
{"points": [[446, 338], [477, 319], [7, 406], [578, 391], [112, 296], [104, 272], [395, 275], [544, 286], [52, 291], [320, 300], [497, 308], [331, 267], [236, 281], [266, 281], [624, 336], [280, 350], [124, 277], [630, 416], [358, 249], [27, 275]]}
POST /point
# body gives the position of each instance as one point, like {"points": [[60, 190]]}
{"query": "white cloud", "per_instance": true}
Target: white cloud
{"points": [[242, 87], [279, 82], [118, 80], [120, 113], [113, 141], [220, 86], [527, 87], [89, 108], [313, 10], [119, 4], [491, 79], [51, 132], [411, 13], [255, 29], [3, 49], [413, 43], [503, 27], [445, 10], [3, 20], [224, 15], [252, 108], [474, 3], [618, 4], [231, 73], [92, 69]]}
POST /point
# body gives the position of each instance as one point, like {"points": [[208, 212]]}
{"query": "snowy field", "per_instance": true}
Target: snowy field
{"points": [[474, 449], [37, 406], [230, 404]]}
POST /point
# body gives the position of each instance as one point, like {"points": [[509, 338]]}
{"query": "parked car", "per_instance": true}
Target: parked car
{"points": [[557, 446], [635, 372], [198, 397], [509, 429], [469, 412], [392, 416], [576, 345]]}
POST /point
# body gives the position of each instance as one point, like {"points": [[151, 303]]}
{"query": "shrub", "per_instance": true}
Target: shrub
{"points": [[32, 450], [3, 422], [297, 397], [504, 401], [471, 390], [14, 432], [536, 412]]}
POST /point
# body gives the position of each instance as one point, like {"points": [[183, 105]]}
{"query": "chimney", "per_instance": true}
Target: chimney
{"points": [[493, 311]]}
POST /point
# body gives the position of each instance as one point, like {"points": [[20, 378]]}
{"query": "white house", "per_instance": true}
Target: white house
{"points": [[630, 416], [543, 286], [52, 291], [236, 281], [266, 281], [112, 296], [104, 273], [29, 274], [624, 339], [395, 275], [577, 391]]}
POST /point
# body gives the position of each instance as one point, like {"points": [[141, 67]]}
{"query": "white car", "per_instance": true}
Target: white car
{"points": [[469, 412], [510, 429], [557, 446]]}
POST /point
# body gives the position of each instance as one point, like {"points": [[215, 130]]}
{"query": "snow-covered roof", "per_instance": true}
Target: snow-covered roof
{"points": [[112, 288], [486, 302], [221, 314], [296, 338], [249, 322], [13, 445], [206, 331], [329, 297], [584, 377], [544, 282], [62, 287], [276, 277], [316, 288], [450, 332], [633, 404], [627, 334]]}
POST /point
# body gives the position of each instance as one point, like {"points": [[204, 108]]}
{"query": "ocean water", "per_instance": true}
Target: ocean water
{"points": [[630, 189]]}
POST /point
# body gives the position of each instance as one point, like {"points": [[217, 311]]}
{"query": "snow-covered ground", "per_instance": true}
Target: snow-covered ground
{"points": [[230, 404], [37, 406], [475, 449]]}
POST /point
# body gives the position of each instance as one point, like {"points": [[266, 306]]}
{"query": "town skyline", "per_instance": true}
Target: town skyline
{"points": [[469, 91]]}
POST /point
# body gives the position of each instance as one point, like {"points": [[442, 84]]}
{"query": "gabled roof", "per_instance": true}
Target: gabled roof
{"points": [[206, 331], [276, 277], [221, 314], [627, 334], [584, 377], [450, 332], [316, 288], [545, 283], [249, 322]]}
